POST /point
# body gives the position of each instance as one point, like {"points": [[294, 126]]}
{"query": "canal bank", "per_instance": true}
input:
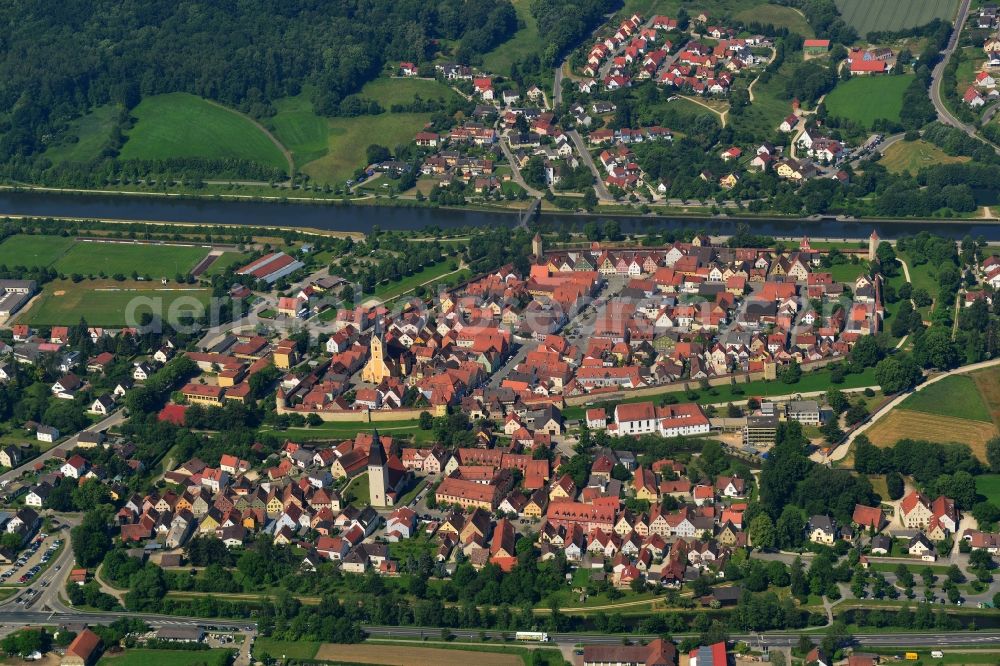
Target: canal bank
{"points": [[348, 218]]}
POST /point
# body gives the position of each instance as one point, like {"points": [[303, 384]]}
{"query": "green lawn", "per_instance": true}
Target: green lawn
{"points": [[988, 485], [403, 550], [865, 99], [356, 492], [111, 308], [288, 649], [340, 431], [349, 137], [952, 396], [389, 290], [769, 105], [25, 250], [156, 261], [183, 125], [92, 131], [524, 42], [811, 381], [387, 91], [144, 657], [847, 272], [299, 129]]}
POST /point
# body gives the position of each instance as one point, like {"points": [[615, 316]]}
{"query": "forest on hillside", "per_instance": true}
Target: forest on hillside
{"points": [[60, 59]]}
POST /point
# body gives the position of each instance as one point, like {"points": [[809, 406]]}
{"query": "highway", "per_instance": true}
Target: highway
{"points": [[779, 639]]}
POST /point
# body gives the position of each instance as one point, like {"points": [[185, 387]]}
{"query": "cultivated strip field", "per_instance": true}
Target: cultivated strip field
{"points": [[867, 15], [906, 424], [988, 383], [398, 655]]}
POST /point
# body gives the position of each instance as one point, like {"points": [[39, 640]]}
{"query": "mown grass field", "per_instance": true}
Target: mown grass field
{"points": [[92, 132], [144, 657], [183, 125], [988, 485], [27, 250], [779, 17], [906, 424], [300, 130], [349, 137], [90, 258], [867, 15], [524, 42], [988, 383], [402, 91], [288, 649], [912, 156], [223, 262], [956, 396], [865, 99], [109, 303], [393, 655]]}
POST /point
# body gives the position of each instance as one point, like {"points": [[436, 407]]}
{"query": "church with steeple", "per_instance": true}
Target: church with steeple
{"points": [[385, 360], [386, 474]]}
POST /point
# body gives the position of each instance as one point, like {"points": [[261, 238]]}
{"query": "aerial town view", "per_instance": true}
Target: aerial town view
{"points": [[500, 332]]}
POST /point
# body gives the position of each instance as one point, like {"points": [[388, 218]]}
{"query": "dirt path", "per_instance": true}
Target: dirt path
{"points": [[722, 114], [280, 146]]}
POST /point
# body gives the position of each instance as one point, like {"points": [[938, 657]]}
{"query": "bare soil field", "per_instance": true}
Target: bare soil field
{"points": [[398, 655], [908, 424]]}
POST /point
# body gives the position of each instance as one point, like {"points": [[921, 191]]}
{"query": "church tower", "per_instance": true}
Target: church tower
{"points": [[378, 473], [536, 246], [377, 368]]}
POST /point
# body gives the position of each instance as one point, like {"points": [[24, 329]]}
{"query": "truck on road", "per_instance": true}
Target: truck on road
{"points": [[532, 636]]}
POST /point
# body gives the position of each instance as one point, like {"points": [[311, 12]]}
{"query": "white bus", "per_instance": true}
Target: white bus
{"points": [[534, 636]]}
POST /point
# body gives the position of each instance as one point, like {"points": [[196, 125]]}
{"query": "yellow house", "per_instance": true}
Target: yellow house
{"points": [[208, 524], [729, 181]]}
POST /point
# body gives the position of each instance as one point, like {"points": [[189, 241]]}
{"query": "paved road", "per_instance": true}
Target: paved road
{"points": [[516, 170], [557, 86], [944, 115], [112, 419], [841, 450], [581, 147]]}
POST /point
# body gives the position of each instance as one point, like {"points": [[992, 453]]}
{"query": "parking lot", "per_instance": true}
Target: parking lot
{"points": [[32, 559]]}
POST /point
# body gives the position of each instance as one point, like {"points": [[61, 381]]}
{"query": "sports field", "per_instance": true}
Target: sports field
{"points": [[110, 303], [865, 99], [156, 261], [25, 250], [867, 15], [912, 156], [399, 655], [956, 396], [183, 125]]}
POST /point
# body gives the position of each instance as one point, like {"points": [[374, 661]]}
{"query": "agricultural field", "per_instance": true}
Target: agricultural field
{"points": [[865, 99], [988, 383], [524, 42], [30, 250], [90, 258], [867, 15], [779, 17], [92, 132], [956, 396], [183, 125], [287, 649], [906, 424], [912, 156], [110, 303], [399, 655]]}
